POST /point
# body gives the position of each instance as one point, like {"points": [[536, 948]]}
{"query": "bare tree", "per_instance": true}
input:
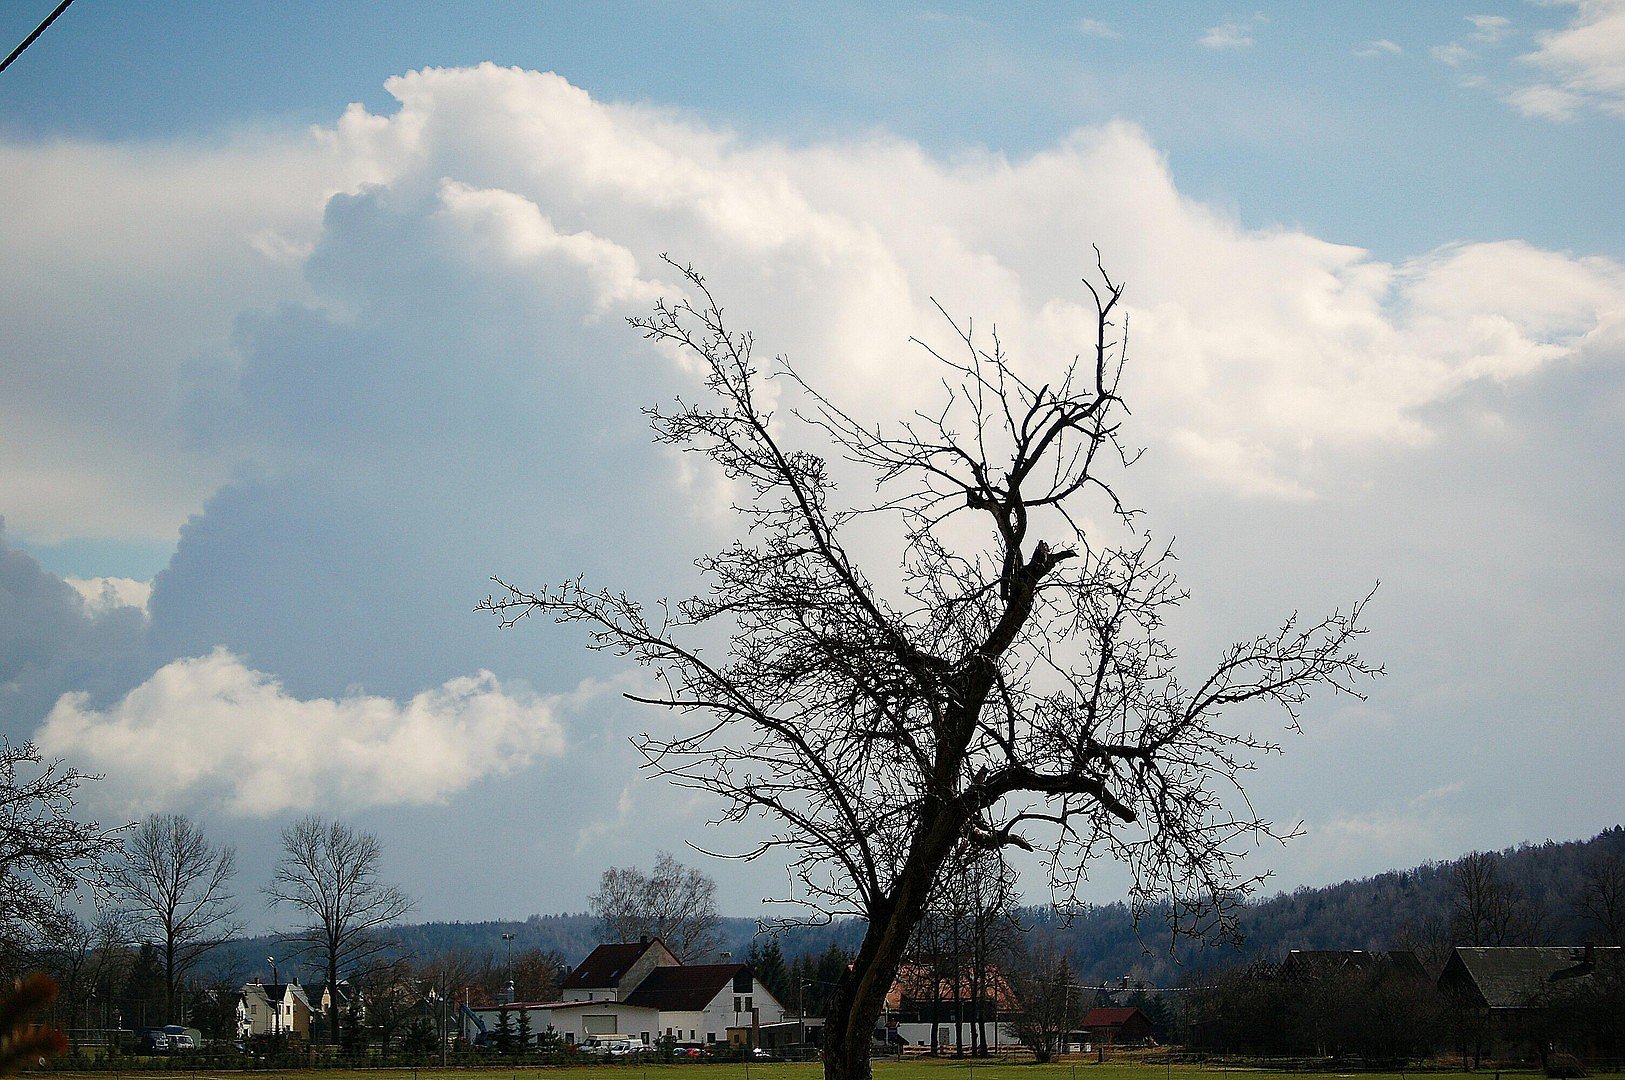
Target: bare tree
{"points": [[83, 958], [328, 874], [1486, 908], [1049, 1006], [177, 887], [1602, 897], [1011, 689], [47, 855], [675, 903]]}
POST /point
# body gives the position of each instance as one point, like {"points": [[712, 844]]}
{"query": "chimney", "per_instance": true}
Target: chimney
{"points": [[643, 939]]}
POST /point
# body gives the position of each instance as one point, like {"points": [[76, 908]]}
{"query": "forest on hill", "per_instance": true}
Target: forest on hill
{"points": [[1408, 908]]}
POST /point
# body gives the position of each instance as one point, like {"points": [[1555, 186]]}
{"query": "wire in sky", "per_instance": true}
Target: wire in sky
{"points": [[38, 30]]}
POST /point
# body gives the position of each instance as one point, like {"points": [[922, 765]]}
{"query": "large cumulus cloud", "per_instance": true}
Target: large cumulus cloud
{"points": [[52, 641], [420, 375]]}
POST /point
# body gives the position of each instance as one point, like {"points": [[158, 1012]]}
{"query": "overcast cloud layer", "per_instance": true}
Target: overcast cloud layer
{"points": [[352, 374]]}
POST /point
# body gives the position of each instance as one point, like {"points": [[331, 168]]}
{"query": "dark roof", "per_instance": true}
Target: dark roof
{"points": [[684, 989], [1512, 977], [605, 965], [1111, 1017]]}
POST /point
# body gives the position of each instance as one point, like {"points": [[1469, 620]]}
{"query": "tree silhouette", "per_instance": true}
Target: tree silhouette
{"points": [[1011, 689]]}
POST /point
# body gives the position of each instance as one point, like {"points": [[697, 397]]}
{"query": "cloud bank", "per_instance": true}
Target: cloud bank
{"points": [[1584, 64], [391, 362], [209, 730]]}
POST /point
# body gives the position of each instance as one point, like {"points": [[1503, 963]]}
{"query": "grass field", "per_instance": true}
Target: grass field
{"points": [[918, 1069]]}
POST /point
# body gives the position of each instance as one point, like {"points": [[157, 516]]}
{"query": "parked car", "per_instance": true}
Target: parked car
{"points": [[152, 1041], [758, 1054]]}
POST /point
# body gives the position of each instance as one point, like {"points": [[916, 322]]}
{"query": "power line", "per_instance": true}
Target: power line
{"points": [[38, 30], [1119, 988]]}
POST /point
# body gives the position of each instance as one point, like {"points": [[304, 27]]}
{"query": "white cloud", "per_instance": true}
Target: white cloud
{"points": [[210, 729], [1584, 62], [1380, 47], [597, 832], [1097, 28], [121, 265], [424, 380], [1454, 54], [1230, 35], [1489, 29], [105, 594], [1431, 825], [1546, 102], [529, 195]]}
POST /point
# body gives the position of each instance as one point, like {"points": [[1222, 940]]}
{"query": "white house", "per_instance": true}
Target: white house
{"points": [[698, 1003], [579, 1022], [273, 1009], [640, 990]]}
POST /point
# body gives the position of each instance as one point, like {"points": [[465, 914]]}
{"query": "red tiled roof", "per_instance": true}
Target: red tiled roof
{"points": [[1108, 1017]]}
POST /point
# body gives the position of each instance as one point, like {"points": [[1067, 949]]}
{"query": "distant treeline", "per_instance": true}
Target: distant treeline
{"points": [[1397, 909]]}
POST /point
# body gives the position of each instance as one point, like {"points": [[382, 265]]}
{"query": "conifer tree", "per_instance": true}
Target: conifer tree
{"points": [[504, 1033], [523, 1031]]}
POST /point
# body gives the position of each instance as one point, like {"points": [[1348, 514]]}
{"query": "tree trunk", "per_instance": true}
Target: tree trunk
{"points": [[332, 999], [169, 982], [862, 993]]}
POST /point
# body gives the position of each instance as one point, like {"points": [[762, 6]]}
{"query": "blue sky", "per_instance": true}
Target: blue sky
{"points": [[285, 382]]}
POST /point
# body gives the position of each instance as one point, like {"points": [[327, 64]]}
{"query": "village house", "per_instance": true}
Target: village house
{"points": [[917, 1003], [1536, 999], [1116, 1026], [273, 1009], [640, 990]]}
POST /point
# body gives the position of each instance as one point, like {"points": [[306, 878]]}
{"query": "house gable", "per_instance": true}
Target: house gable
{"points": [[613, 970]]}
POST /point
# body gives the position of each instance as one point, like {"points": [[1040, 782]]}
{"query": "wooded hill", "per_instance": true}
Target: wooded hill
{"points": [[1396, 909]]}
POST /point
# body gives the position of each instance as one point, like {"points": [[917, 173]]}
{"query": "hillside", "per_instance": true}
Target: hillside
{"points": [[1398, 908], [1395, 909]]}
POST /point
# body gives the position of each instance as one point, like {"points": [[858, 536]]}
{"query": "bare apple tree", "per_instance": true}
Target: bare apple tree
{"points": [[1013, 689]]}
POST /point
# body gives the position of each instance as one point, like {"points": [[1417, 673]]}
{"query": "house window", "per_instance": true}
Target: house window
{"points": [[710, 1036], [645, 1038], [691, 1036], [747, 1005], [737, 1002], [570, 1037]]}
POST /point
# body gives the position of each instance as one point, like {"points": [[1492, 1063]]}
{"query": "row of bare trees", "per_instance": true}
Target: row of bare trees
{"points": [[110, 912], [1488, 907]]}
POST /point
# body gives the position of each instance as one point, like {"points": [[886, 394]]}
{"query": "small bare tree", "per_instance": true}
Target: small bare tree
{"points": [[328, 874], [1012, 689], [177, 888], [1602, 898], [1049, 1006], [1487, 909], [675, 903], [47, 855]]}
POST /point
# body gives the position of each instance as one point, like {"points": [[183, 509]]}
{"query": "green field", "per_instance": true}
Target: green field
{"points": [[919, 1069]]}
